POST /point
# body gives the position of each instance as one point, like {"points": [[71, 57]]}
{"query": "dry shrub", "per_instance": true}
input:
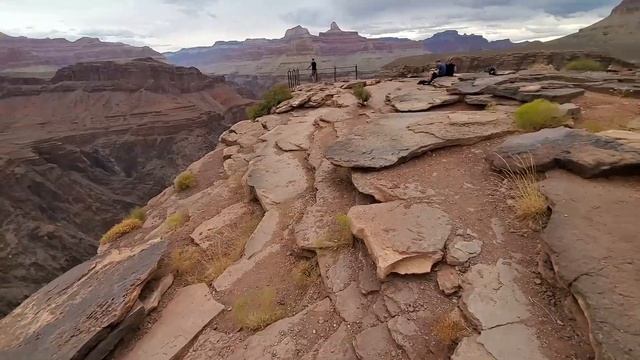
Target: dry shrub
{"points": [[593, 126], [449, 329], [138, 213], [585, 65], [119, 230], [529, 202], [305, 272], [176, 220], [185, 181], [538, 114], [258, 309], [362, 94]]}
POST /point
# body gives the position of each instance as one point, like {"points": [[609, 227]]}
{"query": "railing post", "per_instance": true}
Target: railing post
{"points": [[356, 71], [335, 73]]}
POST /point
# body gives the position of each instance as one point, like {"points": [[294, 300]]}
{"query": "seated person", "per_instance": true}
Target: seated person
{"points": [[450, 68], [441, 70], [492, 71]]}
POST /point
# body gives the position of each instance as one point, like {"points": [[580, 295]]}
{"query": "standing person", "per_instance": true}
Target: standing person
{"points": [[314, 70]]}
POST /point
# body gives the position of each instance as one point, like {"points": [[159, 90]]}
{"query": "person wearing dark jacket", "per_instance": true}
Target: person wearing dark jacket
{"points": [[441, 70], [450, 67]]}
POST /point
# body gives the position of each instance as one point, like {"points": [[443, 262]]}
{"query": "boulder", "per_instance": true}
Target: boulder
{"points": [[388, 139], [72, 314], [401, 237], [243, 266], [554, 91], [583, 153], [298, 100], [479, 85], [421, 100], [181, 320], [592, 239]]}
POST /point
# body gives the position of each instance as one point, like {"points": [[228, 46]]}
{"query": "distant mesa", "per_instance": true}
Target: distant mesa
{"points": [[47, 55], [297, 33]]}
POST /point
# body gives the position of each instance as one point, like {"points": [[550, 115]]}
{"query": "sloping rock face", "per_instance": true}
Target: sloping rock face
{"points": [[389, 139], [592, 240], [77, 311], [74, 162], [583, 153]]}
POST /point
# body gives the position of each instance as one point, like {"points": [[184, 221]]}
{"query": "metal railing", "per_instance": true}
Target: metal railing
{"points": [[295, 75]]}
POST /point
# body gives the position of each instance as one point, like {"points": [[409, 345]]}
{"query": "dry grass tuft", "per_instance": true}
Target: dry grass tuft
{"points": [[362, 94], [138, 213], [305, 272], [258, 309], [119, 230], [449, 330], [529, 202], [176, 220], [184, 261], [185, 181]]}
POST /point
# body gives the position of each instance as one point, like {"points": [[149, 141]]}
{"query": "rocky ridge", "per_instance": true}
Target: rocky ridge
{"points": [[22, 54], [415, 248]]}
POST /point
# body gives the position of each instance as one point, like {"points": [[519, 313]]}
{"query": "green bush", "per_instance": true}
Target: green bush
{"points": [[363, 95], [270, 99], [584, 65], [538, 114], [184, 181]]}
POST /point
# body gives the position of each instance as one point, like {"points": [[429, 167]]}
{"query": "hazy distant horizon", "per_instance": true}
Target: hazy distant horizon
{"points": [[169, 25]]}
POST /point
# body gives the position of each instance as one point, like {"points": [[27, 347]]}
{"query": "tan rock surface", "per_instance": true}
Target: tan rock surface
{"points": [[205, 234], [592, 238]]}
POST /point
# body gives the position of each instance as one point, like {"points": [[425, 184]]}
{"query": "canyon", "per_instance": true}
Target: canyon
{"points": [[82, 149], [333, 47]]}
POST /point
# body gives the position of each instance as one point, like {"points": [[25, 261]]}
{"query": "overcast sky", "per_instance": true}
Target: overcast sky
{"points": [[168, 25]]}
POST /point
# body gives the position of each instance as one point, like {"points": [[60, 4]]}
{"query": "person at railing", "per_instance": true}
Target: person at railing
{"points": [[314, 70]]}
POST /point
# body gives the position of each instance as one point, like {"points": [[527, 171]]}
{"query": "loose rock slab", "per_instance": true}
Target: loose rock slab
{"points": [[491, 298], [278, 178], [204, 234], [592, 238], [186, 314], [583, 153], [401, 237], [392, 138], [70, 315], [374, 184], [417, 100]]}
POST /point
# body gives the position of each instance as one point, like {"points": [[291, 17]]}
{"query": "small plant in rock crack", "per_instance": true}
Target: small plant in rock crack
{"points": [[138, 213], [185, 181], [176, 220], [256, 310], [529, 202], [449, 329], [362, 94], [305, 272]]}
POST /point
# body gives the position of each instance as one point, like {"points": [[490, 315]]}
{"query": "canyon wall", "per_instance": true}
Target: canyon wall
{"points": [[78, 152]]}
